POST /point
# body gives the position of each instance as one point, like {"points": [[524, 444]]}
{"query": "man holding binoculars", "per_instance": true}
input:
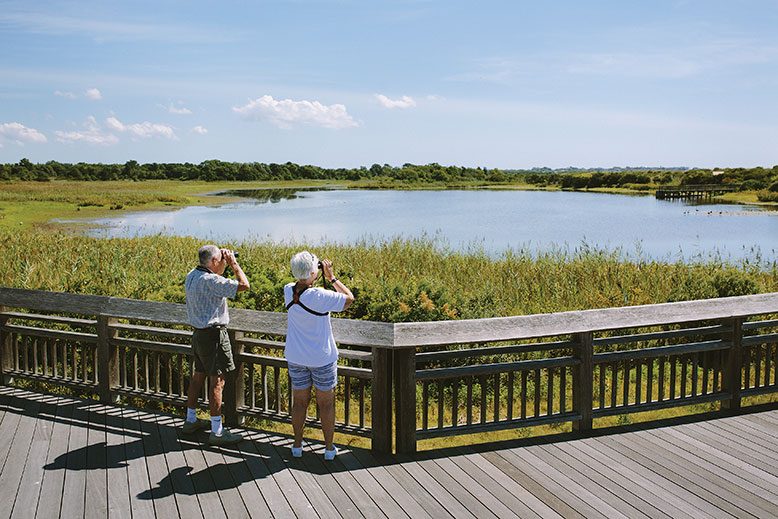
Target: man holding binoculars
{"points": [[207, 291]]}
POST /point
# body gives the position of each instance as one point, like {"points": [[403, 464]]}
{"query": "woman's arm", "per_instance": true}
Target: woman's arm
{"points": [[336, 283]]}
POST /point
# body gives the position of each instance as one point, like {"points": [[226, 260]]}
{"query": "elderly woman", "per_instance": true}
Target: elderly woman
{"points": [[310, 348]]}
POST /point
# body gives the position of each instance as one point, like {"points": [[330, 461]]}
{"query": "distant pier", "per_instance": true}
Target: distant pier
{"points": [[693, 192]]}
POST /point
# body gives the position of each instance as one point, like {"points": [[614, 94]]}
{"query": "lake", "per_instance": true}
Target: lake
{"points": [[489, 220]]}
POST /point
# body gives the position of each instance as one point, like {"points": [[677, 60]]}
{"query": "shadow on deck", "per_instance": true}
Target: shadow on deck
{"points": [[64, 457]]}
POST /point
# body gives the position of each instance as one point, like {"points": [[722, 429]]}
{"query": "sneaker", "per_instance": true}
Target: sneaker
{"points": [[225, 438], [197, 425], [329, 455], [297, 452]]}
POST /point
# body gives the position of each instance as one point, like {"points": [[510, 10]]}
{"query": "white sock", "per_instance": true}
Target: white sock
{"points": [[216, 425], [191, 414]]}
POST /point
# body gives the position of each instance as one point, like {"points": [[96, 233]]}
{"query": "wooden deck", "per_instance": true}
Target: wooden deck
{"points": [[62, 457]]}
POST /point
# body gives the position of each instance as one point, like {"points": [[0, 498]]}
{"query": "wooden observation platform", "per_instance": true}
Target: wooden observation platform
{"points": [[399, 385], [693, 192]]}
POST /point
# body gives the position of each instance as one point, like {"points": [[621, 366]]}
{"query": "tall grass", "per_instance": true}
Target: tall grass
{"points": [[393, 280]]}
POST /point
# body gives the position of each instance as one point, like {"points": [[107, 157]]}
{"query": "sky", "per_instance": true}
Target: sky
{"points": [[342, 83]]}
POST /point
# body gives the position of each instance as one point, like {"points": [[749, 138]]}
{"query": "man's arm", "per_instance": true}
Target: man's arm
{"points": [[243, 281]]}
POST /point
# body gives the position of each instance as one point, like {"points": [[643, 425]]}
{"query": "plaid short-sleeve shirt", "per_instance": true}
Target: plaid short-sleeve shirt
{"points": [[206, 297]]}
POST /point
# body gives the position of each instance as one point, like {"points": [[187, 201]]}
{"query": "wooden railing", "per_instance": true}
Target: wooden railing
{"points": [[411, 381]]}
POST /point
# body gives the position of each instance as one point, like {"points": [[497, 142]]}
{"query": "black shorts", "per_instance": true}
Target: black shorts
{"points": [[212, 351]]}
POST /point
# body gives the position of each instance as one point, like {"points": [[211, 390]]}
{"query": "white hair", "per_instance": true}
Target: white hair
{"points": [[304, 264], [206, 253]]}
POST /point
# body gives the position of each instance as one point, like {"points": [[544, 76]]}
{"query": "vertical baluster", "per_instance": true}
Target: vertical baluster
{"points": [[276, 388], [562, 389], [766, 378], [146, 370], [15, 347], [45, 353], [169, 366], [510, 395], [253, 390], [26, 350], [35, 342], [265, 396], [757, 349], [650, 381], [482, 381], [673, 370], [625, 393], [602, 386], [661, 379], [425, 404], [550, 392], [347, 400], [775, 365], [441, 403], [54, 360], [747, 359], [536, 379], [523, 394], [469, 400], [156, 372], [497, 397], [705, 371], [717, 360], [684, 362], [695, 362], [65, 360], [455, 403], [135, 385], [638, 381], [614, 383], [180, 364], [361, 403]]}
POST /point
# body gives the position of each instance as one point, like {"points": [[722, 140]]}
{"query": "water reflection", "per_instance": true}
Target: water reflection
{"points": [[273, 196]]}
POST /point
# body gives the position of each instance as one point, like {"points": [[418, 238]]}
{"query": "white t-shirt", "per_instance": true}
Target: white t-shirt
{"points": [[309, 340]]}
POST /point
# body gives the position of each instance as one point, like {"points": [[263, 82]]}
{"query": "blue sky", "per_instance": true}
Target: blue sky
{"points": [[344, 83]]}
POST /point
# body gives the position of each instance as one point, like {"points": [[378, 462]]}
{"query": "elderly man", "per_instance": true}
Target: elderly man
{"points": [[207, 291]]}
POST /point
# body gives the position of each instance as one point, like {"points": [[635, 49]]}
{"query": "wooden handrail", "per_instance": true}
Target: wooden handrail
{"points": [[150, 360]]}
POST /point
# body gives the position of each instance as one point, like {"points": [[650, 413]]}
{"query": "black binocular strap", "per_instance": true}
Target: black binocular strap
{"points": [[296, 301]]}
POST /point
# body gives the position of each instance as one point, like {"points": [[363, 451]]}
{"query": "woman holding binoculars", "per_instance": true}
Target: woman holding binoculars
{"points": [[310, 348]]}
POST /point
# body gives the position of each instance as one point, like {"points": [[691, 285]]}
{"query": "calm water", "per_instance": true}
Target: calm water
{"points": [[492, 220]]}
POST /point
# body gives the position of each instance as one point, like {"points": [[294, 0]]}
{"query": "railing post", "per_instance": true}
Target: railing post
{"points": [[405, 400], [733, 367], [6, 350], [381, 401], [107, 359], [583, 383], [233, 397]]}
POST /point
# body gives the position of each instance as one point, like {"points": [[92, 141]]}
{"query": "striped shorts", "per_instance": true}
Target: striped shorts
{"points": [[324, 378]]}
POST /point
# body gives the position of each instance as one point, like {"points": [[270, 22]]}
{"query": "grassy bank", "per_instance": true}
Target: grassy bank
{"points": [[398, 280]]}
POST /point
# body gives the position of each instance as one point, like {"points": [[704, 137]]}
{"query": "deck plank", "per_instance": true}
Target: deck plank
{"points": [[30, 485], [746, 450], [75, 462], [50, 498], [20, 443], [445, 499], [137, 470], [116, 463], [178, 481], [263, 478], [505, 488], [164, 502], [702, 477], [614, 494], [96, 498], [396, 491], [251, 497]]}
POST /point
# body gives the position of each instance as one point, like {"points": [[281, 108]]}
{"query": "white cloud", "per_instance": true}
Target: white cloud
{"points": [[142, 130], [177, 110], [200, 130], [91, 134], [66, 95], [20, 134], [93, 94], [285, 113], [403, 102]]}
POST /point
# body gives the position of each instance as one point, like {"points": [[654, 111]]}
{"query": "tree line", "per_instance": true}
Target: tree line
{"points": [[216, 170]]}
